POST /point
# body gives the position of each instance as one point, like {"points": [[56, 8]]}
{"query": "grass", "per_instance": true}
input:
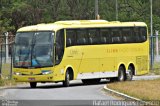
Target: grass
{"points": [[5, 77], [144, 89], [156, 68], [6, 69], [7, 82]]}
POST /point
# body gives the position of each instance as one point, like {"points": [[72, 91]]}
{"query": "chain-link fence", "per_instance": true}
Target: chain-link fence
{"points": [[6, 42], [155, 55]]}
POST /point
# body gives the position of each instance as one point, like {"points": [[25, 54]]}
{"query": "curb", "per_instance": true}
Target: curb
{"points": [[10, 86], [5, 87], [126, 97]]}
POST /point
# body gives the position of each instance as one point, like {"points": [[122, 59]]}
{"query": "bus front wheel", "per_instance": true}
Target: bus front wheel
{"points": [[67, 79], [33, 84]]}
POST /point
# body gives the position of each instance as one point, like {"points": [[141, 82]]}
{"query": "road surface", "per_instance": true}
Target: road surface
{"points": [[54, 93], [77, 91]]}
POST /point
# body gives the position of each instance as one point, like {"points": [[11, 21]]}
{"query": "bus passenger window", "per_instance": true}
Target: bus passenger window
{"points": [[137, 35], [69, 42], [103, 40], [81, 41], [116, 39], [127, 35], [143, 34], [70, 37], [105, 36], [82, 38], [93, 36], [116, 36]]}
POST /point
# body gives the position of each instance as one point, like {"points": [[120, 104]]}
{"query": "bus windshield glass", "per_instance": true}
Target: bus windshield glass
{"points": [[33, 49]]}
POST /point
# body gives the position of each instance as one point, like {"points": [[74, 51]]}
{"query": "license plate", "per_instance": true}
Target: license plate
{"points": [[31, 79]]}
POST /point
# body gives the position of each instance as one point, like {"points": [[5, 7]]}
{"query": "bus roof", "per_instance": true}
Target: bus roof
{"points": [[79, 24]]}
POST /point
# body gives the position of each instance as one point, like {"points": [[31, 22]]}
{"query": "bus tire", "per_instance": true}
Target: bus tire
{"points": [[33, 84], [121, 74], [129, 74], [67, 79]]}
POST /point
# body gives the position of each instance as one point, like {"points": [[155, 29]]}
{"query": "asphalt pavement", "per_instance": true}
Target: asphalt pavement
{"points": [[55, 93]]}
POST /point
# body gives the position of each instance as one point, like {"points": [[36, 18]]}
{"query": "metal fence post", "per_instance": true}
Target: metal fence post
{"points": [[157, 57], [11, 60], [1, 63], [157, 53], [151, 53], [6, 46]]}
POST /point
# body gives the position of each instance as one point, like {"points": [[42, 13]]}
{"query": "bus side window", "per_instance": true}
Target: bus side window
{"points": [[82, 38], [70, 37], [137, 35], [59, 49], [69, 42], [143, 34], [116, 36], [127, 35], [93, 36], [105, 36]]}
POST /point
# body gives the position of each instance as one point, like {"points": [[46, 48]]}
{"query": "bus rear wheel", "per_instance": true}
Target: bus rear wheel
{"points": [[67, 79], [33, 84], [129, 74], [121, 74]]}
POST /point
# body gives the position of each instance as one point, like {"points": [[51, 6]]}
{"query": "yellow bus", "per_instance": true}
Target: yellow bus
{"points": [[89, 50]]}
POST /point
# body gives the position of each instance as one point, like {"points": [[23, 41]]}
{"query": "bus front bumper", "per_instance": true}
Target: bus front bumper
{"points": [[33, 78]]}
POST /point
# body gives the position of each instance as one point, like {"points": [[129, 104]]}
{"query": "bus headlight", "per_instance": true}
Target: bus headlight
{"points": [[45, 72], [17, 73]]}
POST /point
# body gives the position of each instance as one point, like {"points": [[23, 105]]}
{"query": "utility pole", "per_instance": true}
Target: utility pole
{"points": [[151, 38], [96, 9], [116, 10]]}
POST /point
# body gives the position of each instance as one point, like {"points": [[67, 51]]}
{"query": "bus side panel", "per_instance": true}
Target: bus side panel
{"points": [[107, 62], [90, 59], [73, 58]]}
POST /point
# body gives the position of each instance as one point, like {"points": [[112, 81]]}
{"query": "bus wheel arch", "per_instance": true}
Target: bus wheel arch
{"points": [[130, 72], [133, 66], [121, 73], [69, 75]]}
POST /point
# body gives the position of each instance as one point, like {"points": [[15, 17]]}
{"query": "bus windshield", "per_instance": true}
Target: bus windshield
{"points": [[33, 49]]}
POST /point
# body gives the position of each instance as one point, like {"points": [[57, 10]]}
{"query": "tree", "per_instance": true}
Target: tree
{"points": [[81, 9], [18, 13]]}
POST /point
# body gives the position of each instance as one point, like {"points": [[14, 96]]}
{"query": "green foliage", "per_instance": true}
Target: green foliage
{"points": [[7, 82], [1, 82], [18, 13]]}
